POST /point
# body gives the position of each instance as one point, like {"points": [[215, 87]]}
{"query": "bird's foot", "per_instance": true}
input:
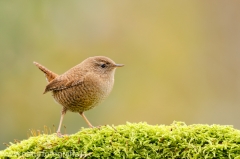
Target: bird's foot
{"points": [[59, 134], [98, 127]]}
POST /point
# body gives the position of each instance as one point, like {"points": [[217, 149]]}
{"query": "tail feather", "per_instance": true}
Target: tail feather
{"points": [[49, 74]]}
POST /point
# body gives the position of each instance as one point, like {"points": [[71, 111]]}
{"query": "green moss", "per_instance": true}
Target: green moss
{"points": [[134, 141]]}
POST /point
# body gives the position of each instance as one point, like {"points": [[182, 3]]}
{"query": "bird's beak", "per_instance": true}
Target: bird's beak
{"points": [[119, 65]]}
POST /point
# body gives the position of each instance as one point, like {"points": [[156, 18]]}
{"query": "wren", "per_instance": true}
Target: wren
{"points": [[82, 87]]}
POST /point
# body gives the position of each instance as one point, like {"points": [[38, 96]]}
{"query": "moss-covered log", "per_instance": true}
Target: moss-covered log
{"points": [[140, 140]]}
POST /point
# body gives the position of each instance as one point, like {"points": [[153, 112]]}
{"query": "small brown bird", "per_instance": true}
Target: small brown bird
{"points": [[82, 87]]}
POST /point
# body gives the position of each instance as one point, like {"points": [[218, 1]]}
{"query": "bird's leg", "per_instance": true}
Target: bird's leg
{"points": [[64, 110], [85, 118]]}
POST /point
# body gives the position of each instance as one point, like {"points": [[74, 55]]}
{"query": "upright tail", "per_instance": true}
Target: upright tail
{"points": [[49, 74]]}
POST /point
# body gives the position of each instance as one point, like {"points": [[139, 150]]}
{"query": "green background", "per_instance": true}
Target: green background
{"points": [[182, 61]]}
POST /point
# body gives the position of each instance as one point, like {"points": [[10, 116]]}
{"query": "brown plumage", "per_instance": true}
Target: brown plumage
{"points": [[83, 86]]}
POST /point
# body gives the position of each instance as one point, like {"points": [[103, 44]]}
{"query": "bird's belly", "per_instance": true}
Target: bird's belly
{"points": [[79, 98]]}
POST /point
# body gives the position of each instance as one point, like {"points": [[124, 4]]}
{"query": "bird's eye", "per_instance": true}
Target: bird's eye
{"points": [[103, 65]]}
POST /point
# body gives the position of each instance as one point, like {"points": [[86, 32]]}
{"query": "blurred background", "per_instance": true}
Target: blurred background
{"points": [[182, 61]]}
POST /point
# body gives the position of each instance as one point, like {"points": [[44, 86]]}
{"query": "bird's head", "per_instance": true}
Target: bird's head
{"points": [[102, 65]]}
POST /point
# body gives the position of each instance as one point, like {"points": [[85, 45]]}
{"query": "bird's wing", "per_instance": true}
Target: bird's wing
{"points": [[63, 82]]}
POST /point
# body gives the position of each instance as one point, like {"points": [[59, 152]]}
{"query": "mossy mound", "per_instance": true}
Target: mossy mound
{"points": [[134, 141]]}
